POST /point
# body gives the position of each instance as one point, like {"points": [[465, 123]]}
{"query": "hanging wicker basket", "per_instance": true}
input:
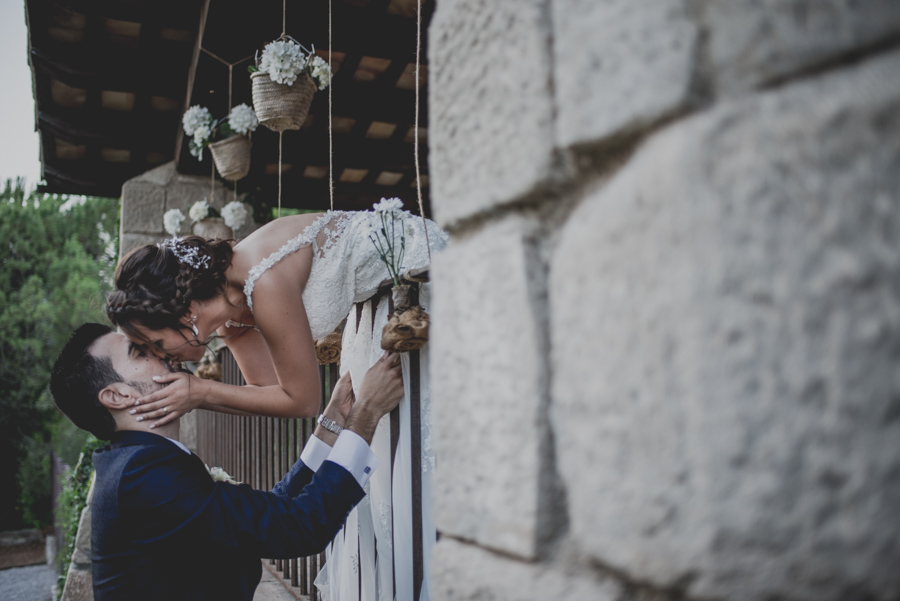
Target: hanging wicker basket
{"points": [[232, 157], [279, 106]]}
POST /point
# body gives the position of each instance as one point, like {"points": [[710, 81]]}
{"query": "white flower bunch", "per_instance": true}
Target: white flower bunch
{"points": [[387, 237], [235, 214], [283, 60], [196, 117], [172, 221], [198, 124], [320, 72], [220, 475], [388, 205], [199, 210], [242, 120]]}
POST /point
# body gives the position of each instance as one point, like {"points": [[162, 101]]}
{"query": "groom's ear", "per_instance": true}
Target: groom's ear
{"points": [[118, 396]]}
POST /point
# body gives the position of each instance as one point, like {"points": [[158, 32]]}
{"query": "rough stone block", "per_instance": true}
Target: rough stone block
{"points": [[190, 189], [463, 572], [79, 585], [143, 205], [82, 553], [127, 242], [620, 65], [752, 43], [490, 103], [726, 336], [489, 391], [158, 176]]}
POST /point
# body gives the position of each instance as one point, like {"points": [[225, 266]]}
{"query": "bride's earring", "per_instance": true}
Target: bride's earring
{"points": [[194, 326]]}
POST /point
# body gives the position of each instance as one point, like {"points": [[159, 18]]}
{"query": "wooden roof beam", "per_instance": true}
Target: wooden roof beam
{"points": [[80, 69], [175, 14]]}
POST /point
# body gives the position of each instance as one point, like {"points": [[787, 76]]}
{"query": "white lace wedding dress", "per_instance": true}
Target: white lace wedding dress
{"points": [[372, 556]]}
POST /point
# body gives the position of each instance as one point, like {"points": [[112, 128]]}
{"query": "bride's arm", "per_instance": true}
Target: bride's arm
{"points": [[282, 376], [278, 362]]}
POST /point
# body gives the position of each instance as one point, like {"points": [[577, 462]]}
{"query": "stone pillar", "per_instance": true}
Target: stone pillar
{"points": [[147, 197], [666, 331]]}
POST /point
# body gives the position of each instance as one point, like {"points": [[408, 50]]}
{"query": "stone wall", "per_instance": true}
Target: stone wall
{"points": [[666, 332], [147, 197]]}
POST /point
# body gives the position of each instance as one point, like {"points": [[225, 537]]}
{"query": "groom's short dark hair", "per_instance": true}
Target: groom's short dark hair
{"points": [[77, 379]]}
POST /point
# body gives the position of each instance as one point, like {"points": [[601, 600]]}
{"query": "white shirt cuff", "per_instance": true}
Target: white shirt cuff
{"points": [[353, 454], [315, 453]]}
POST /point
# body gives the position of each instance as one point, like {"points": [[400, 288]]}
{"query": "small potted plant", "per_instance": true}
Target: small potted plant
{"points": [[284, 81], [228, 138], [207, 221]]}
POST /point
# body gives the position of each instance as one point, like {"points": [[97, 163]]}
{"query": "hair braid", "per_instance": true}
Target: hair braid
{"points": [[155, 289]]}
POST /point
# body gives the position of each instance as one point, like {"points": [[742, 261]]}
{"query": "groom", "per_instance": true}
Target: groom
{"points": [[161, 528]]}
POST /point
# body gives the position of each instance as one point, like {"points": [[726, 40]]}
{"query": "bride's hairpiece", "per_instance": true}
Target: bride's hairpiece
{"points": [[189, 255]]}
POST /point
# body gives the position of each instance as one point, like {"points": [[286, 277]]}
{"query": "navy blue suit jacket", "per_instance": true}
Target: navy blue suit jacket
{"points": [[163, 530]]}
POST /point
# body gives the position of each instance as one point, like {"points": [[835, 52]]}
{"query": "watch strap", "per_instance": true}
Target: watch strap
{"points": [[329, 424]]}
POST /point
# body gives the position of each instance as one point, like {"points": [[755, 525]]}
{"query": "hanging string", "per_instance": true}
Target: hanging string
{"points": [[416, 128], [280, 134], [227, 64], [283, 17], [330, 127]]}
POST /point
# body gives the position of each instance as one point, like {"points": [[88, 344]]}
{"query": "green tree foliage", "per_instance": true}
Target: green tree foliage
{"points": [[57, 255]]}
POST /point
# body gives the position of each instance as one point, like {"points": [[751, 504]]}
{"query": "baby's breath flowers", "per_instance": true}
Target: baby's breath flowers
{"points": [[384, 235]]}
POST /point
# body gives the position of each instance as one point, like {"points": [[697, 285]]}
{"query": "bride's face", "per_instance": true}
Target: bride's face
{"points": [[170, 344]]}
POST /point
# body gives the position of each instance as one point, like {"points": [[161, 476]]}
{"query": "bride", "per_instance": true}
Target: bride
{"points": [[268, 297]]}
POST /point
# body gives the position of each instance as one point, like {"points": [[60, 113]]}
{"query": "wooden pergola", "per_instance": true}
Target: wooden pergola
{"points": [[112, 79]]}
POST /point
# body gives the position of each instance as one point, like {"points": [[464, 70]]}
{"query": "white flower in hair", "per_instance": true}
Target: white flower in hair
{"points": [[235, 214], [172, 221], [199, 210], [196, 117]]}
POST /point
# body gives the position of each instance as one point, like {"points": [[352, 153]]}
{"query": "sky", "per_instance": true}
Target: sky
{"points": [[19, 154]]}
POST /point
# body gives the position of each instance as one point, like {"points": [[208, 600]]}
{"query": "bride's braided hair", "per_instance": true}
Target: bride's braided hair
{"points": [[154, 287]]}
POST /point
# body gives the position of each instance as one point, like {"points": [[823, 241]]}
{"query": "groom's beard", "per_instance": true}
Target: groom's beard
{"points": [[146, 388]]}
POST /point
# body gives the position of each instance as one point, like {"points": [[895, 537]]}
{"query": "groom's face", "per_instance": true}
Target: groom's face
{"points": [[136, 366]]}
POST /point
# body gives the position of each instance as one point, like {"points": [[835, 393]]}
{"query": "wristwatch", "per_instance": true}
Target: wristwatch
{"points": [[329, 424]]}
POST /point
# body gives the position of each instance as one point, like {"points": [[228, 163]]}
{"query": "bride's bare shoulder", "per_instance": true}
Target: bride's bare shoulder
{"points": [[269, 238]]}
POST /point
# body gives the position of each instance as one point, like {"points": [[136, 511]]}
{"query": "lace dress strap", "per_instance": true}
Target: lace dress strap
{"points": [[306, 237]]}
